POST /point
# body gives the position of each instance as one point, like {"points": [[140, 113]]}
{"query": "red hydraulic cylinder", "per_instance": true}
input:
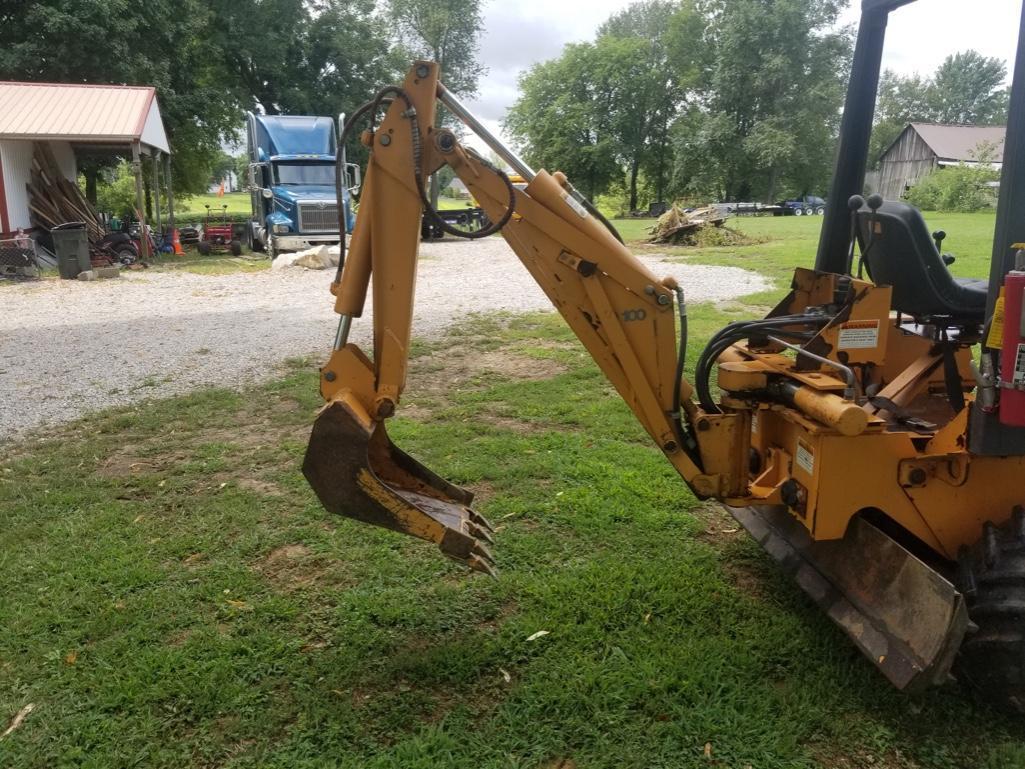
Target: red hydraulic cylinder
{"points": [[1012, 354]]}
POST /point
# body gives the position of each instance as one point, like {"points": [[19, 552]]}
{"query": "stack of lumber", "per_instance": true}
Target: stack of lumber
{"points": [[677, 225], [54, 200]]}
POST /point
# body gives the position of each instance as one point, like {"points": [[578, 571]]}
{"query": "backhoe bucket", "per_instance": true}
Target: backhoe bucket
{"points": [[357, 472], [903, 615]]}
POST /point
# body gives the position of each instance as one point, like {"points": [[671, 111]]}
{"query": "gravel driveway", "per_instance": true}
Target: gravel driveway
{"points": [[68, 347]]}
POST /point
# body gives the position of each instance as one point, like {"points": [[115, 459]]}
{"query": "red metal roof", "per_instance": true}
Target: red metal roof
{"points": [[76, 112]]}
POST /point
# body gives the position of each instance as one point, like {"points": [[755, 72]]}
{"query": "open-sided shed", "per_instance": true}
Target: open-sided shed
{"points": [[76, 118]]}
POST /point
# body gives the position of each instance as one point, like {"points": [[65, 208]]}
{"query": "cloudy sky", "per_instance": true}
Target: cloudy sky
{"points": [[919, 36]]}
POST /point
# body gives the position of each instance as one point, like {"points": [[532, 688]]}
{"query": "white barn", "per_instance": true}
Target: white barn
{"points": [[69, 118]]}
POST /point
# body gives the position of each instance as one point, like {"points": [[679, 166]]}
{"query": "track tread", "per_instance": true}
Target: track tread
{"points": [[991, 576]]}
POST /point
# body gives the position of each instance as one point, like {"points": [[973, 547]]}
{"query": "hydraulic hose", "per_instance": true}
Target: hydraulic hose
{"points": [[735, 332], [370, 106], [683, 436]]}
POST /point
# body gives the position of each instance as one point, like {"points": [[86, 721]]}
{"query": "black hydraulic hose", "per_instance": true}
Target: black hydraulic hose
{"points": [[734, 333], [484, 232], [370, 106], [414, 126], [593, 211], [703, 372], [683, 436], [410, 113]]}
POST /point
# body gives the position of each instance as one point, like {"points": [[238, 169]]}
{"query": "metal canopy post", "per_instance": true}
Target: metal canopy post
{"points": [[170, 191], [140, 210], [988, 436], [855, 133], [156, 189], [1010, 225]]}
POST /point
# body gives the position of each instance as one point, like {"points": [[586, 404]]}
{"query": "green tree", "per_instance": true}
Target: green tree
{"points": [[902, 100], [98, 41], [303, 57], [772, 84], [654, 79], [116, 192], [241, 169], [968, 88], [962, 188], [446, 32], [56, 40], [563, 118]]}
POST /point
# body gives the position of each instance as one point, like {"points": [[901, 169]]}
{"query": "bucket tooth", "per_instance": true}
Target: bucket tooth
{"points": [[479, 532], [907, 618], [481, 521], [356, 471]]}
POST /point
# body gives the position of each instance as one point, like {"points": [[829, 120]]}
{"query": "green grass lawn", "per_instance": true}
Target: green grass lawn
{"points": [[215, 264], [193, 208], [175, 596], [791, 241]]}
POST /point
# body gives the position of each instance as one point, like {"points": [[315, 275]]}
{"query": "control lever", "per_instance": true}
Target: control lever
{"points": [[939, 236], [874, 202], [854, 204]]}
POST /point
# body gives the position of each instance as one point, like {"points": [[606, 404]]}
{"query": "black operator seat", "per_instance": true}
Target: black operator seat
{"points": [[900, 252]]}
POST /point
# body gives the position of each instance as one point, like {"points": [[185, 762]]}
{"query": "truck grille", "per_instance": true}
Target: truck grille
{"points": [[317, 217]]}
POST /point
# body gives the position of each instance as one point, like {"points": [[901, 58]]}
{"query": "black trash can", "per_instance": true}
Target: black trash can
{"points": [[71, 246]]}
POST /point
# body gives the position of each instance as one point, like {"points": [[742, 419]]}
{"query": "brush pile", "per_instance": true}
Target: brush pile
{"points": [[681, 227], [54, 200]]}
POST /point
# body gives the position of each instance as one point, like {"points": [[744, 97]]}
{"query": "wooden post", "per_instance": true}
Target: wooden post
{"points": [[170, 191], [140, 209]]}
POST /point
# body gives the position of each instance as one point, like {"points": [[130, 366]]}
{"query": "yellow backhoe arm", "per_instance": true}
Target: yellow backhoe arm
{"points": [[623, 314]]}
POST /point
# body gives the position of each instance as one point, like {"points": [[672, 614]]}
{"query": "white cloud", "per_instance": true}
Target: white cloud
{"points": [[921, 35]]}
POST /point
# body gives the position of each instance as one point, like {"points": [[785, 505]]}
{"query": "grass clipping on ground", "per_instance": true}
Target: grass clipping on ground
{"points": [[175, 596]]}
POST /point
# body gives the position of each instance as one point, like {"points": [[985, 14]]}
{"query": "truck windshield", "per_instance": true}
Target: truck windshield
{"points": [[305, 173]]}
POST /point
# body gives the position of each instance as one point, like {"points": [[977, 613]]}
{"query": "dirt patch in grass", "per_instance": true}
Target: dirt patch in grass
{"points": [[720, 528], [503, 422], [294, 567], [459, 369], [745, 569], [747, 577], [828, 756], [435, 378], [179, 637], [248, 440], [259, 486], [752, 311]]}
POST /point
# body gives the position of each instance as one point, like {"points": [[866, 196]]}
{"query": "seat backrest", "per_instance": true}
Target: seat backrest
{"points": [[900, 252]]}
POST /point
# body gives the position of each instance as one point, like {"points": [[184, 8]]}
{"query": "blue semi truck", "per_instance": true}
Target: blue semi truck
{"points": [[292, 183]]}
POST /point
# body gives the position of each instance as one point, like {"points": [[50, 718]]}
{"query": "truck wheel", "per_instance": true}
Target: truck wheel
{"points": [[820, 211], [798, 212], [991, 575], [204, 247], [236, 248]]}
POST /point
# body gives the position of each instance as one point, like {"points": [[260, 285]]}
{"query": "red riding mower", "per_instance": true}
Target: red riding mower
{"points": [[218, 234]]}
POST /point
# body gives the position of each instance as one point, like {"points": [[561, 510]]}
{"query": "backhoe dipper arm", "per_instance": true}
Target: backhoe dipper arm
{"points": [[620, 311]]}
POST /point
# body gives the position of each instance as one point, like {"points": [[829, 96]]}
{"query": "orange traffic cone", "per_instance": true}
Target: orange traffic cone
{"points": [[176, 243]]}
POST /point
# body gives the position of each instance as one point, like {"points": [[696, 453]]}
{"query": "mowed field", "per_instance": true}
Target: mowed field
{"points": [[175, 596]]}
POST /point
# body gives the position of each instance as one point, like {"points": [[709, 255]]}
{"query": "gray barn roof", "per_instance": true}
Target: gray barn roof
{"points": [[959, 142]]}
